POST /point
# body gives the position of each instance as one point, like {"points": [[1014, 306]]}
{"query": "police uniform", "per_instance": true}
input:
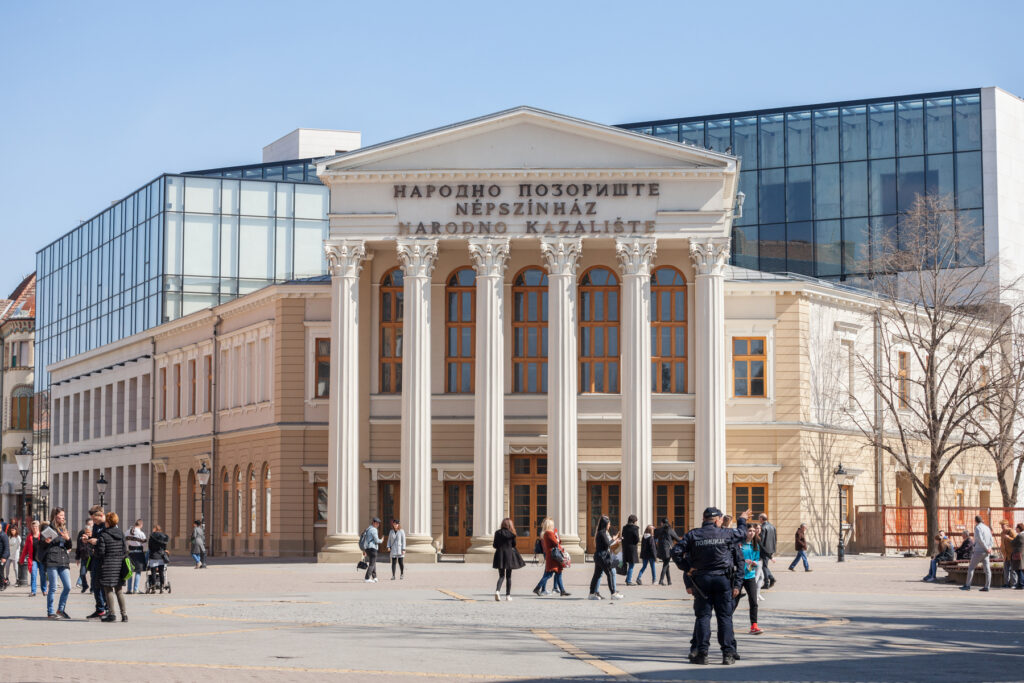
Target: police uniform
{"points": [[711, 553]]}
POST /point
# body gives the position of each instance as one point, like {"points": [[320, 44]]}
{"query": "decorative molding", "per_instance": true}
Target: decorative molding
{"points": [[985, 482], [527, 450], [345, 257], [384, 471], [635, 254], [756, 473], [561, 254], [710, 255], [417, 255], [456, 174], [682, 475], [313, 471], [844, 327], [454, 471], [751, 478], [489, 256]]}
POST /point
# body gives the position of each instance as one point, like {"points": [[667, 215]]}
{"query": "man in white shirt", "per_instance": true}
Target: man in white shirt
{"points": [[982, 549]]}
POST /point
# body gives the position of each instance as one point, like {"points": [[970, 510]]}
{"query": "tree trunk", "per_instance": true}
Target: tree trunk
{"points": [[931, 504], [1006, 488]]}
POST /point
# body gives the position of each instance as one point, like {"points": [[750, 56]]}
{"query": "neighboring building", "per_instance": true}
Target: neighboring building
{"points": [[17, 332], [823, 181]]}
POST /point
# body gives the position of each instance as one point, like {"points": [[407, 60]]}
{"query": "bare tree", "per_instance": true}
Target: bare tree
{"points": [[937, 295]]}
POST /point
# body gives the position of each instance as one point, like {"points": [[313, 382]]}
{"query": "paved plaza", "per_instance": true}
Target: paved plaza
{"points": [[870, 619]]}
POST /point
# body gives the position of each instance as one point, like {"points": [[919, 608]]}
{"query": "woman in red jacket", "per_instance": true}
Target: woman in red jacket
{"points": [[549, 540]]}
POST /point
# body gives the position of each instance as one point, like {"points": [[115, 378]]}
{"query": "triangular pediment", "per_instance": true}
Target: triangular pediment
{"points": [[525, 138]]}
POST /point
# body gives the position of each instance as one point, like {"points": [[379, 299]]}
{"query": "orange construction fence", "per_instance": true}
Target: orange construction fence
{"points": [[906, 528]]}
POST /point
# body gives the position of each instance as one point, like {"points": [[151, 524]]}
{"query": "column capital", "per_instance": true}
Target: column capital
{"points": [[345, 257], [417, 256], [635, 254], [561, 254], [489, 255], [709, 254]]}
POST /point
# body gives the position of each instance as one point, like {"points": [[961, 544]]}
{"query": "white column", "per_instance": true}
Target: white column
{"points": [[345, 261], [635, 256], [490, 258], [417, 256], [561, 255], [709, 256]]}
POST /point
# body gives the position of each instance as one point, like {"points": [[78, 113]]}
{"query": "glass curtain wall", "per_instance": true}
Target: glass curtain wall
{"points": [[824, 184]]}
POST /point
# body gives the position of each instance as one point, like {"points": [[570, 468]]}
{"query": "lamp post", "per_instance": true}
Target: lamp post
{"points": [[101, 488], [23, 456], [840, 478], [203, 476], [44, 497]]}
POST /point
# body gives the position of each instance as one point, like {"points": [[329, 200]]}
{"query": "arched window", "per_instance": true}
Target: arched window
{"points": [[225, 512], [21, 408], [239, 503], [460, 316], [253, 515], [599, 331], [530, 331], [266, 499], [392, 305], [668, 331]]}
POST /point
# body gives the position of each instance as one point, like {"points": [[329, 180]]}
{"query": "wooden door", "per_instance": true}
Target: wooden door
{"points": [[602, 499], [388, 496], [458, 516], [672, 501], [529, 497]]}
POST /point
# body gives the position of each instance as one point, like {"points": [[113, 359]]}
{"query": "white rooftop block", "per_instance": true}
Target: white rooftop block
{"points": [[306, 143]]}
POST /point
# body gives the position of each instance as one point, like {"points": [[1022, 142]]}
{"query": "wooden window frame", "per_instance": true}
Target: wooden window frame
{"points": [[192, 380], [521, 362], [455, 357], [748, 359], [177, 389], [586, 298], [163, 395], [208, 368], [847, 490], [21, 412], [677, 327], [903, 379], [392, 298], [319, 358], [748, 485]]}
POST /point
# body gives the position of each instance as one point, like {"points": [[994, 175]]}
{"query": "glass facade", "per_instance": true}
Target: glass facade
{"points": [[295, 170], [180, 244], [823, 183]]}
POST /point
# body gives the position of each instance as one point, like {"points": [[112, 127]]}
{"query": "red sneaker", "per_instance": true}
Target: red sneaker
{"points": [[755, 630]]}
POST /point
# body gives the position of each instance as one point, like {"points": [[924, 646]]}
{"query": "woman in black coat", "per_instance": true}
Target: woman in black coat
{"points": [[665, 537], [630, 541], [603, 542], [158, 559], [111, 550], [506, 557]]}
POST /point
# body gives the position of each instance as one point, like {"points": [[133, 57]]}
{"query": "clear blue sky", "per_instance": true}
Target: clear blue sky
{"points": [[98, 98]]}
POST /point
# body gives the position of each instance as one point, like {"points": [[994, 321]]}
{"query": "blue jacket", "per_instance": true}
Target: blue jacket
{"points": [[750, 552], [371, 538]]}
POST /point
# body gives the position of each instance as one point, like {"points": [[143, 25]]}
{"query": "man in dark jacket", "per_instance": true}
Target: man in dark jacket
{"points": [[630, 541], [664, 538], [83, 554], [769, 546], [800, 542], [5, 557], [89, 543], [966, 547]]}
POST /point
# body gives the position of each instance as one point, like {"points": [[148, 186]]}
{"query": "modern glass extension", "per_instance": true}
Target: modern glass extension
{"points": [[824, 182]]}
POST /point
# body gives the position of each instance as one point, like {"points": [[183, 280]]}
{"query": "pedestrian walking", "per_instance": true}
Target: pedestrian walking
{"points": [[158, 560], [55, 544], [5, 557], [83, 553], [396, 548], [603, 542], [198, 548], [369, 543], [506, 558], [648, 555], [554, 562], [769, 546], [943, 553], [14, 551], [29, 553], [1017, 556], [751, 549], [801, 549], [665, 537], [630, 547], [1006, 536], [136, 539], [99, 517], [983, 545], [111, 550]]}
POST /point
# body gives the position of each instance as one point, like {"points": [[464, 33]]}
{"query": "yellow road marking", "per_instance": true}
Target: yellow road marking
{"points": [[254, 667], [455, 595], [579, 654]]}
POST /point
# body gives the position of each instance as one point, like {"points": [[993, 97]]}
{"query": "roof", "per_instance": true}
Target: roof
{"points": [[21, 303]]}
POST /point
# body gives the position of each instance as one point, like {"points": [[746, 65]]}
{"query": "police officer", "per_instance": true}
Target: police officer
{"points": [[710, 552]]}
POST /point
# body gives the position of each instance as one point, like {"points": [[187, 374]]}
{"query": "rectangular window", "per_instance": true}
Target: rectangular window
{"points": [[192, 387], [748, 366], [319, 502], [133, 404], [846, 504], [322, 363], [849, 359], [177, 390], [21, 412], [266, 510], [902, 378], [753, 496], [226, 511], [145, 402], [208, 373]]}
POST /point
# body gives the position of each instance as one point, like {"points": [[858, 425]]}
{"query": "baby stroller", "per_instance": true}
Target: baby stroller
{"points": [[156, 578]]}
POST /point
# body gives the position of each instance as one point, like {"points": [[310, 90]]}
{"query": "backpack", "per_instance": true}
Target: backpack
{"points": [[362, 540], [677, 557]]}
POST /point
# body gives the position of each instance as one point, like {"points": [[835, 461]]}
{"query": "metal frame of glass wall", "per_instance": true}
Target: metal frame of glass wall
{"points": [[824, 182]]}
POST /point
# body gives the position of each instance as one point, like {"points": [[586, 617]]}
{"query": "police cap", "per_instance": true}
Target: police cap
{"points": [[712, 512]]}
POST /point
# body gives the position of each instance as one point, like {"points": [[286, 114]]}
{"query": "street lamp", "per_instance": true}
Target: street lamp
{"points": [[44, 496], [203, 476], [840, 478], [101, 487], [24, 458]]}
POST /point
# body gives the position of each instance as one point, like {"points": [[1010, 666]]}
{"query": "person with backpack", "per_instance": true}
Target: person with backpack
{"points": [[506, 558], [396, 547], [369, 543], [112, 551], [665, 537], [555, 559], [55, 546]]}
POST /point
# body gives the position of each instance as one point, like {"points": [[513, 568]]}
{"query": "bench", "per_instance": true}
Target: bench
{"points": [[956, 572]]}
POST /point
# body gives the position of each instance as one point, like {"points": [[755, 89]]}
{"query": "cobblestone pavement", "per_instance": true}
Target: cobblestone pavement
{"points": [[869, 619]]}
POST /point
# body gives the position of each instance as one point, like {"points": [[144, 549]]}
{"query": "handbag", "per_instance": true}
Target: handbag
{"points": [[557, 556], [361, 565]]}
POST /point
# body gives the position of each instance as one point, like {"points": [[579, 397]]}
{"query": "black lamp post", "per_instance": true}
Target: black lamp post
{"points": [[101, 488], [23, 456], [840, 478], [44, 497], [203, 476]]}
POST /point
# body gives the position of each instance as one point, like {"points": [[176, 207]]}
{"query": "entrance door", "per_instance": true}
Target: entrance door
{"points": [[388, 495], [458, 516], [529, 494], [671, 500], [602, 499]]}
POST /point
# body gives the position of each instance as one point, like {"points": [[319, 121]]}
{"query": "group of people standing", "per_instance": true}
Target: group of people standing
{"points": [[370, 541]]}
